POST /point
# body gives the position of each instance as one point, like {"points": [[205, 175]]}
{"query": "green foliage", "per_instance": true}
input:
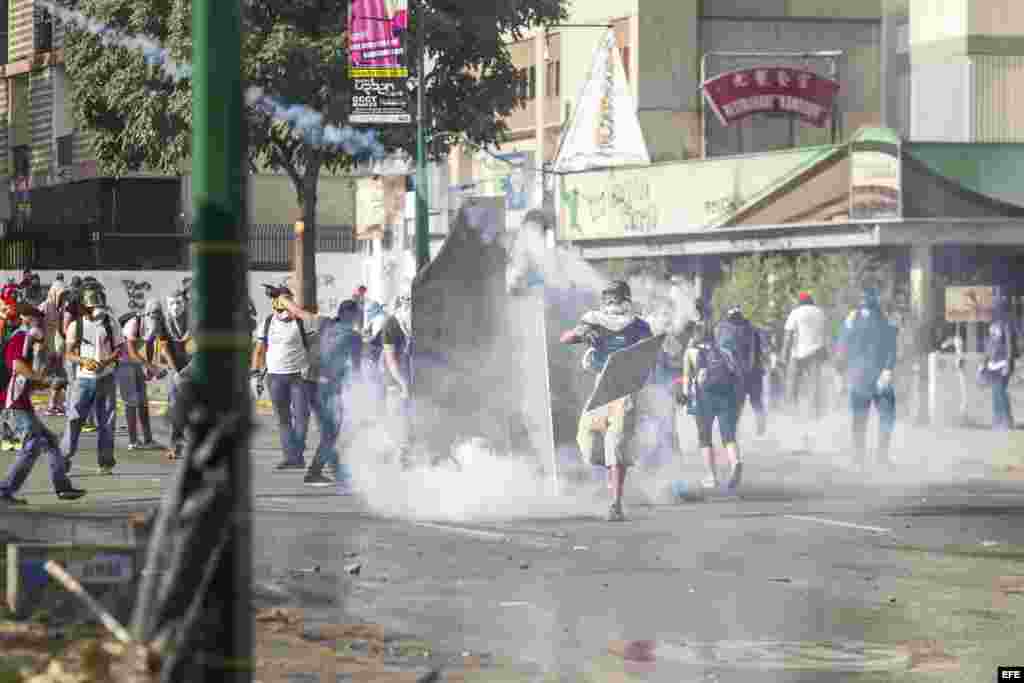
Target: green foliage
{"points": [[294, 50], [767, 286]]}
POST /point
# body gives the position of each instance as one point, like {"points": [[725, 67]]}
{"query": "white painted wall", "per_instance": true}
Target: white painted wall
{"points": [[337, 274]]}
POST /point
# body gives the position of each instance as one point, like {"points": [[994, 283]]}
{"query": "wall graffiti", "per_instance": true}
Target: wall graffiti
{"points": [[629, 201], [138, 292]]}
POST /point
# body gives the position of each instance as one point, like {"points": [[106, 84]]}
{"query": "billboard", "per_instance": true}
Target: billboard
{"points": [[969, 304], [735, 95], [376, 32]]}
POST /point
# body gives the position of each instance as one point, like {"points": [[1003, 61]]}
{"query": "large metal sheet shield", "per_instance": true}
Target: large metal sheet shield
{"points": [[626, 372]]}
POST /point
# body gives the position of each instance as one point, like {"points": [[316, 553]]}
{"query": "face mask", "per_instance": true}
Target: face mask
{"points": [[176, 307]]}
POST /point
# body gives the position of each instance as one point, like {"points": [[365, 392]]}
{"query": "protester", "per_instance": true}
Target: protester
{"points": [[10, 324], [93, 344], [282, 352], [171, 337], [805, 351], [332, 362], [709, 390], [396, 343], [867, 347], [52, 313], [362, 303], [131, 382], [735, 331], [16, 382], [998, 364], [613, 327]]}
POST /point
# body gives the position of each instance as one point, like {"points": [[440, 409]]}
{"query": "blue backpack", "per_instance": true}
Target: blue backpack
{"points": [[718, 368]]}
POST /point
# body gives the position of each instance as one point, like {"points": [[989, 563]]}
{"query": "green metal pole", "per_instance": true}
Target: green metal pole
{"points": [[221, 296], [422, 196]]}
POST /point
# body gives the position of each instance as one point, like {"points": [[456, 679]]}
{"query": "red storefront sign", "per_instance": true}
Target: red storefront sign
{"points": [[735, 95]]}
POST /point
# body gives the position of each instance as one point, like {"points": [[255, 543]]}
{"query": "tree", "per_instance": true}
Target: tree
{"points": [[295, 51]]}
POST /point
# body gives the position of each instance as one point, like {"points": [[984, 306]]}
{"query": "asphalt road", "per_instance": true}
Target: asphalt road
{"points": [[816, 572]]}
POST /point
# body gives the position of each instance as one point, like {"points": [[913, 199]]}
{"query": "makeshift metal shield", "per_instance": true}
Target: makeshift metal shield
{"points": [[626, 372]]}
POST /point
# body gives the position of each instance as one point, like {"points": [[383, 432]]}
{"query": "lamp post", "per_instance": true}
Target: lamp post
{"points": [[422, 198]]}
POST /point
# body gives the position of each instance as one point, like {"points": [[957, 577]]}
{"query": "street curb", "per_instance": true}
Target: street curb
{"points": [[81, 528]]}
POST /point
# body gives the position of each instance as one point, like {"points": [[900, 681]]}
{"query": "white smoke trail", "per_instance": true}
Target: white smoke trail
{"points": [[306, 122]]}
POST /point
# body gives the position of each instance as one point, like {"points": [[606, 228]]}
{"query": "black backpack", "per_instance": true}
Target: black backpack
{"points": [[718, 368]]}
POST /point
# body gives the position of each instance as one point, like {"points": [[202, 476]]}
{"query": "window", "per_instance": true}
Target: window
{"points": [[42, 33], [527, 83], [64, 150], [22, 158], [553, 85]]}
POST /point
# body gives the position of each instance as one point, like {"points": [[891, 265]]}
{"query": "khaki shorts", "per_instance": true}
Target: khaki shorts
{"points": [[617, 422]]}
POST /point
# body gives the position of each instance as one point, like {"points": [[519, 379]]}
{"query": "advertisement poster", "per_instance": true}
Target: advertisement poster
{"points": [[605, 130], [380, 101], [969, 304], [376, 33], [875, 175], [735, 95]]}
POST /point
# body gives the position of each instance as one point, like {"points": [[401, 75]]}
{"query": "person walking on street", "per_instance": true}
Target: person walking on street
{"points": [[736, 332], [93, 345], [804, 352], [131, 382], [170, 334], [331, 361], [396, 371], [709, 389], [613, 327], [998, 365], [17, 378], [282, 351], [867, 346]]}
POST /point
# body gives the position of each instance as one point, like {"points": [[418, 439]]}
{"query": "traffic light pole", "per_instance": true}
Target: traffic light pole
{"points": [[422, 190], [221, 296]]}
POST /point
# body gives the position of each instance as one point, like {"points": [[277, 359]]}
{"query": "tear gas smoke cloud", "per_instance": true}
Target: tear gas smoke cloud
{"points": [[306, 122]]}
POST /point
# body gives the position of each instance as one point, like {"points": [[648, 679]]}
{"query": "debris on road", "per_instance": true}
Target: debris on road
{"points": [[353, 569], [580, 547], [524, 565], [929, 656], [782, 579]]}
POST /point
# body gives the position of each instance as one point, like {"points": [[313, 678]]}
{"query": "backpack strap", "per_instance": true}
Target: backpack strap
{"points": [[266, 331], [302, 332]]}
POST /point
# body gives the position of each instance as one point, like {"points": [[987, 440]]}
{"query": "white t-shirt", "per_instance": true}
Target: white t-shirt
{"points": [[811, 327], [95, 344], [286, 355]]}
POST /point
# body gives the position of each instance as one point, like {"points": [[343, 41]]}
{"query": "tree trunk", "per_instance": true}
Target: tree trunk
{"points": [[305, 237]]}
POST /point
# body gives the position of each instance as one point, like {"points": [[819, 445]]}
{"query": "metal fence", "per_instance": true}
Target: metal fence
{"points": [[83, 247]]}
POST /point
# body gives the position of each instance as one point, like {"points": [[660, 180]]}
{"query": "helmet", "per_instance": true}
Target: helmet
{"points": [[617, 291], [93, 295], [872, 298]]}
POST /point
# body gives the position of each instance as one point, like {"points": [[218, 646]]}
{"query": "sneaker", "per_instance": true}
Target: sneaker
{"points": [[285, 466], [88, 429], [106, 470], [11, 500], [734, 477], [615, 513], [133, 446], [70, 494], [7, 445], [318, 479], [709, 482]]}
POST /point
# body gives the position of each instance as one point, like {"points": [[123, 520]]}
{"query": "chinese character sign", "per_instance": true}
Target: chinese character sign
{"points": [[376, 30], [735, 95]]}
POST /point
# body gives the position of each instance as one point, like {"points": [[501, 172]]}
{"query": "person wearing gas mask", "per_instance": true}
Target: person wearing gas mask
{"points": [[22, 369], [93, 345], [735, 331], [170, 335], [613, 327], [867, 348], [282, 353]]}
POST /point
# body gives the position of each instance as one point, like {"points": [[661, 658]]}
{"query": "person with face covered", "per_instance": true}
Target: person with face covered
{"points": [[22, 361], [282, 351], [867, 346], [94, 346], [169, 334], [611, 328]]}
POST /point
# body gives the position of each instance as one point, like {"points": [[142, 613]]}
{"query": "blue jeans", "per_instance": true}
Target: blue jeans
{"points": [[290, 396], [327, 404], [86, 395], [35, 439], [860, 408], [1002, 417]]}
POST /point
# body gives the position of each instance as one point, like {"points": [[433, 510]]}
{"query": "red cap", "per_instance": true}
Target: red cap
{"points": [[805, 297], [361, 289]]}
